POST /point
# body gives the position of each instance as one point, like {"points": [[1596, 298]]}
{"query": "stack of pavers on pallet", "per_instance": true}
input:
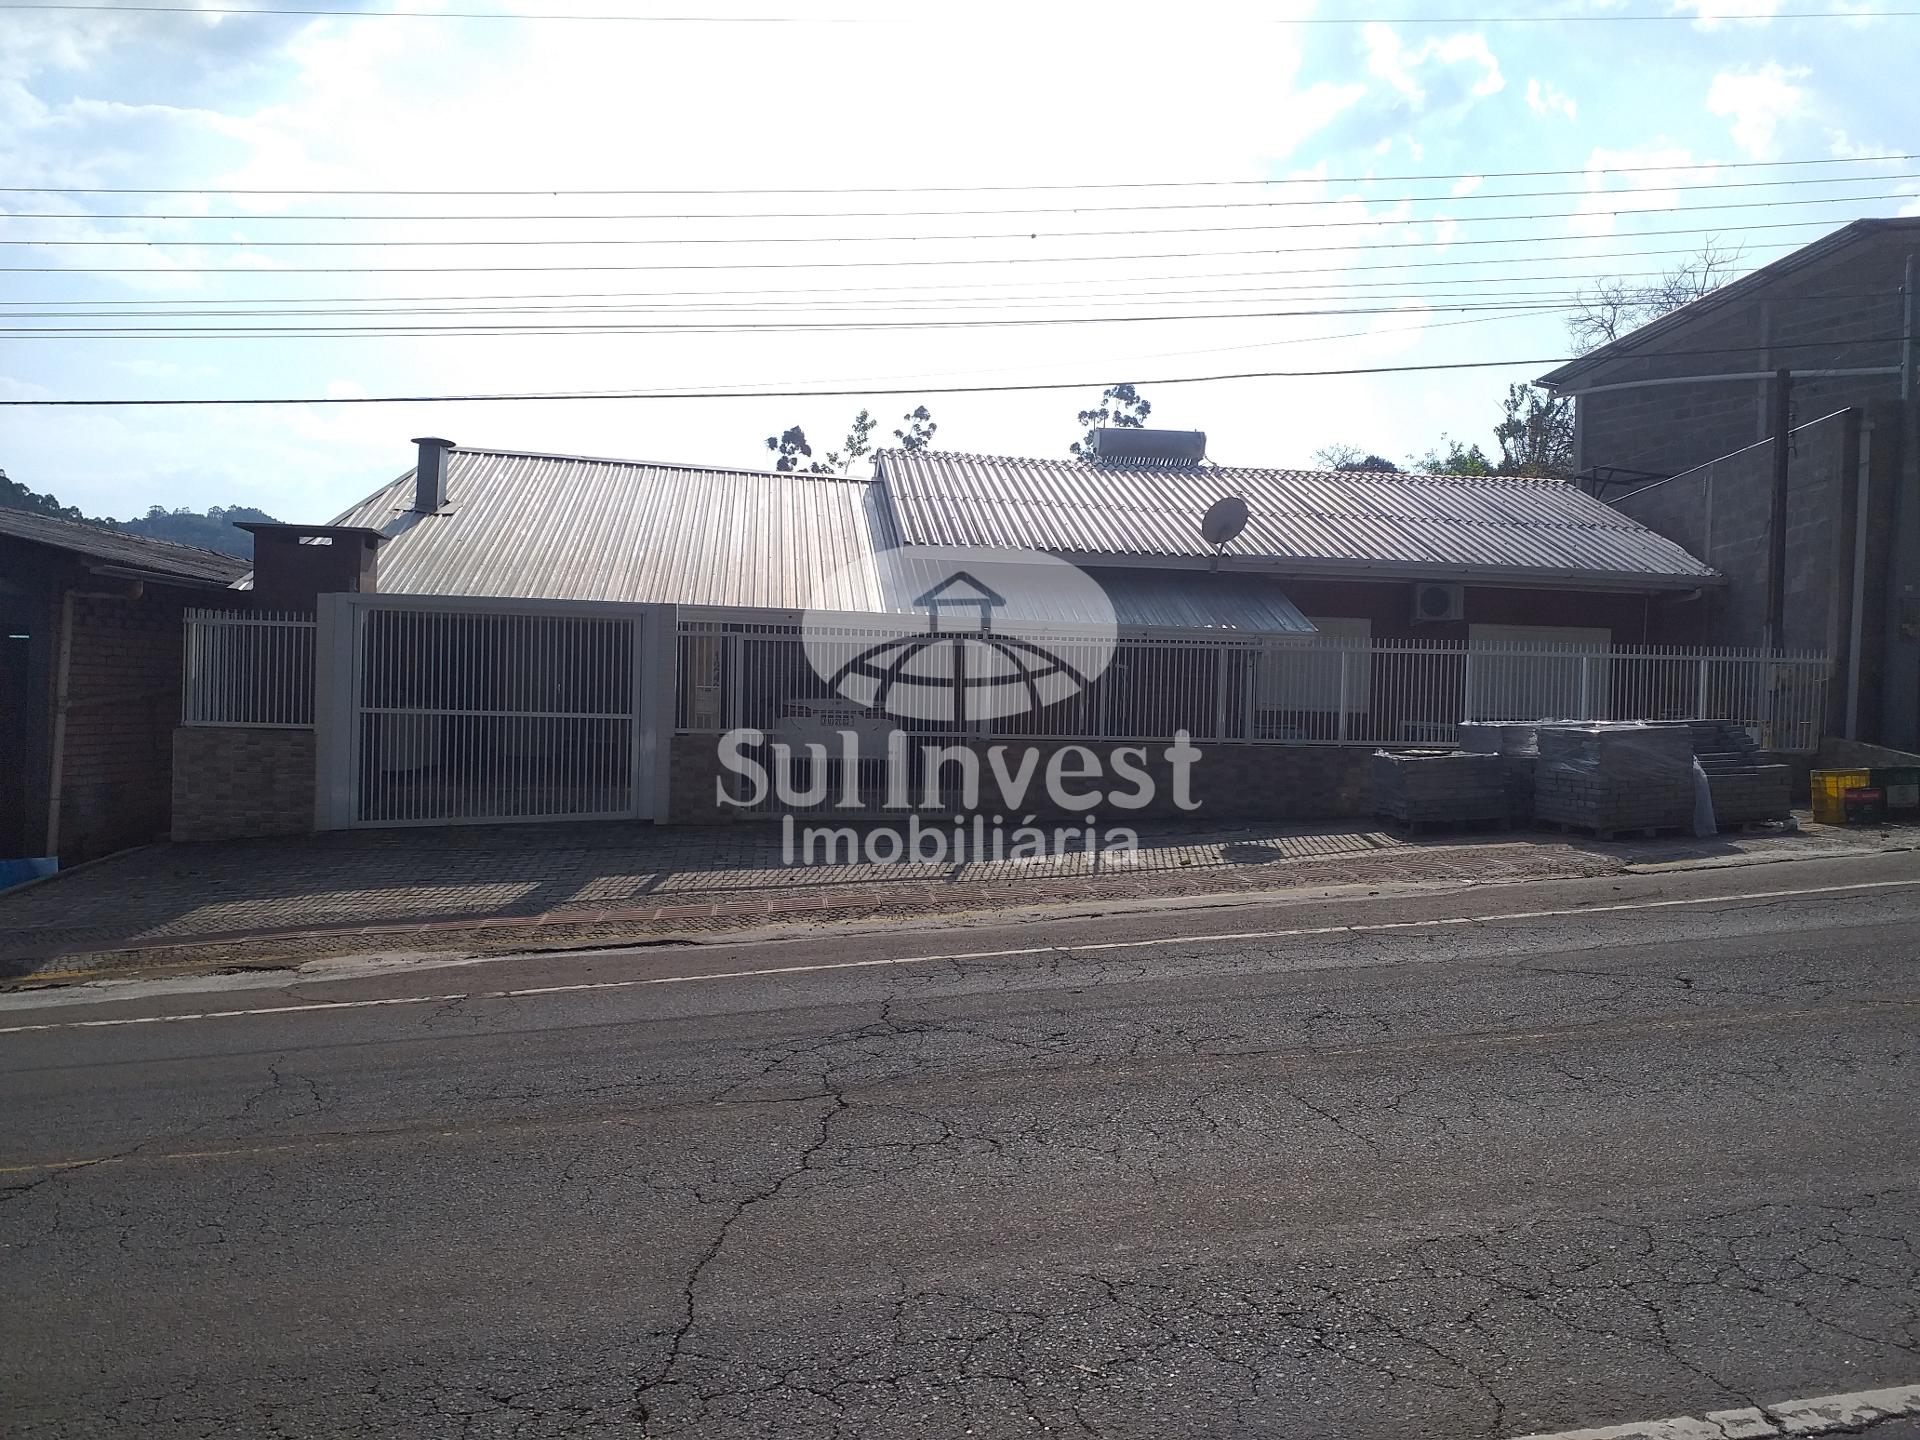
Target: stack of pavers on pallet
{"points": [[1445, 787], [1518, 746], [1608, 776], [1746, 790]]}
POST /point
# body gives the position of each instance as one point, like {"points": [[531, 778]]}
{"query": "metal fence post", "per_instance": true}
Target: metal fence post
{"points": [[1346, 690], [335, 734]]}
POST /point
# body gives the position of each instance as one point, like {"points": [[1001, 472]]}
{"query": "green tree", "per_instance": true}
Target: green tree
{"points": [[1352, 458], [1121, 408], [1450, 457], [857, 446], [791, 446], [1536, 437], [15, 496], [919, 432]]}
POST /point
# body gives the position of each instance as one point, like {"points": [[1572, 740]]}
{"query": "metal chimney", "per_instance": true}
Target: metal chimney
{"points": [[430, 474]]}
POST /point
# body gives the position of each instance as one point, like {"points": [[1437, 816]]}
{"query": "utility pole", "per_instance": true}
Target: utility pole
{"points": [[1777, 523], [1907, 338]]}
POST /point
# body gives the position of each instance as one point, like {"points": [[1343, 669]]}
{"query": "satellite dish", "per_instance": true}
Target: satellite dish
{"points": [[1224, 521]]}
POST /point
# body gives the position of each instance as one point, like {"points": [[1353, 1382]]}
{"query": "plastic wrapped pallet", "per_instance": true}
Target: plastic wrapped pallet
{"points": [[1439, 788], [1606, 777], [1756, 793], [1518, 744]]}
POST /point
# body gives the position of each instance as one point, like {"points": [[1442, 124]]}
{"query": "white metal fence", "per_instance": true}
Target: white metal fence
{"points": [[751, 671], [250, 668], [521, 713]]}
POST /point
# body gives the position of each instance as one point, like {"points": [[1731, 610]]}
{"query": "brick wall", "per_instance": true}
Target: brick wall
{"points": [[1230, 782], [123, 699], [232, 783]]}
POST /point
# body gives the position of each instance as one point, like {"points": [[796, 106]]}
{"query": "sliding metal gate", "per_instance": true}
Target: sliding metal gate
{"points": [[448, 710]]}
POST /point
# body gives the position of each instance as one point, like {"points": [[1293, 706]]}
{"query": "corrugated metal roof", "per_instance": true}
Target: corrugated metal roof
{"points": [[570, 528], [161, 558], [1189, 600], [1303, 521]]}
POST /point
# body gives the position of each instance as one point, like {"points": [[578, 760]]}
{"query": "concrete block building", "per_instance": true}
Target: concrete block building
{"points": [[1679, 426]]}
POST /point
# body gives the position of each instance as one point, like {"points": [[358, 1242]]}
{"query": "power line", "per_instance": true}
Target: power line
{"points": [[822, 394], [591, 18], [572, 240], [984, 189], [1233, 295], [196, 332], [1472, 197], [854, 264], [922, 288], [1230, 295]]}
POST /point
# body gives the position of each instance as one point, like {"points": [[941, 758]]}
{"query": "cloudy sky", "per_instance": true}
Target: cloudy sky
{"points": [[844, 196]]}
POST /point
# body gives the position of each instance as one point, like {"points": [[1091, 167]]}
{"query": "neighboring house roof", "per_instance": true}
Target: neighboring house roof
{"points": [[567, 527], [116, 550], [1360, 524], [1734, 291]]}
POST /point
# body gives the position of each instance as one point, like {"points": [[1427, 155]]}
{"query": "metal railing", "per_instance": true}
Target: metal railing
{"points": [[749, 671], [251, 668]]}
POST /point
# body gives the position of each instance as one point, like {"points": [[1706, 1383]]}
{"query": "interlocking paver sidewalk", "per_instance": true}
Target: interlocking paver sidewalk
{"points": [[513, 886]]}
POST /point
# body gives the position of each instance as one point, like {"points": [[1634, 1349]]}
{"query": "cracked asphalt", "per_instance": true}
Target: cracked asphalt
{"points": [[1165, 1172]]}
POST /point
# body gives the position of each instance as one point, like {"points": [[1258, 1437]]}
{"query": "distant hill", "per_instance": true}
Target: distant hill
{"points": [[211, 529]]}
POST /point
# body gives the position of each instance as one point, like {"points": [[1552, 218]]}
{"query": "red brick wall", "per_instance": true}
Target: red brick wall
{"points": [[123, 699]]}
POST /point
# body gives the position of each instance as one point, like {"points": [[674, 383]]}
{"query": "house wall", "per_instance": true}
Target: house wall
{"points": [[1388, 605], [1230, 782], [1839, 312], [236, 783], [1722, 511]]}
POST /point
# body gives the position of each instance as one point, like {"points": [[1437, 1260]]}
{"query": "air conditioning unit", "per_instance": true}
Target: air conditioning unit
{"points": [[1438, 602]]}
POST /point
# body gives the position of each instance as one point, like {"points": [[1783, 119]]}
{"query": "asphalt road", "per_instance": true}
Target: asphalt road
{"points": [[1643, 1147]]}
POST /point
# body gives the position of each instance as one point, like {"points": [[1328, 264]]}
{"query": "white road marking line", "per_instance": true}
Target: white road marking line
{"points": [[1822, 1415], [1297, 933], [233, 1014]]}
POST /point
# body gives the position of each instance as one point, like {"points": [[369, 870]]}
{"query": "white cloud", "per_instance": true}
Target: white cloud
{"points": [[1545, 100], [1758, 103], [1389, 58], [1620, 182]]}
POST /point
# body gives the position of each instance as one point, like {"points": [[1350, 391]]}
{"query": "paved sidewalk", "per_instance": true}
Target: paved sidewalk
{"points": [[472, 888]]}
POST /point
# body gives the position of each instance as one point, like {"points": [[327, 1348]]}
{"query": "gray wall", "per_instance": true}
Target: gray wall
{"points": [[1842, 311], [1721, 510]]}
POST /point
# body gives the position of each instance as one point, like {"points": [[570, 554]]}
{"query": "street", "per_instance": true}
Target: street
{"points": [[1492, 1161]]}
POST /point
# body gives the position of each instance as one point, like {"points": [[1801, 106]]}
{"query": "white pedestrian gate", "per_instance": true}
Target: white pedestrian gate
{"points": [[439, 711]]}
